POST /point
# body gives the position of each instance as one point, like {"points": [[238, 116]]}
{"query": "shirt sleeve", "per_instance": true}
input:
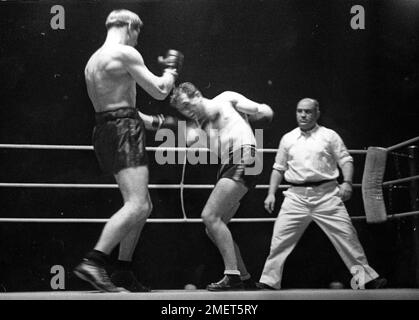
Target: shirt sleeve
{"points": [[339, 150], [281, 159]]}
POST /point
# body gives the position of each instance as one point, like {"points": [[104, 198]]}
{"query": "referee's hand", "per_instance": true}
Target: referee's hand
{"points": [[270, 203]]}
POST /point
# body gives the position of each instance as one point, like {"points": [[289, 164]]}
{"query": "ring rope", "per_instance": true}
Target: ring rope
{"points": [[170, 149], [400, 155], [386, 183], [182, 187], [402, 215], [174, 220], [115, 186], [151, 220], [403, 144]]}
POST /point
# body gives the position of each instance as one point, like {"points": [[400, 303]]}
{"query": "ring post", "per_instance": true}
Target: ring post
{"points": [[372, 185], [414, 202], [413, 170]]}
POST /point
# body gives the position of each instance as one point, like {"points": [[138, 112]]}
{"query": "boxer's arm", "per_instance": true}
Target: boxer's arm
{"points": [[255, 111], [156, 122], [160, 121], [241, 103], [151, 122], [158, 87], [263, 117]]}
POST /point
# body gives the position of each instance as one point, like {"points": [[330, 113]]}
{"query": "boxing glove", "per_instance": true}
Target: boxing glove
{"points": [[172, 62], [161, 121]]}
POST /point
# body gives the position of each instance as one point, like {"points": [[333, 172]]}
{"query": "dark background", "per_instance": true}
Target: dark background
{"points": [[276, 52]]}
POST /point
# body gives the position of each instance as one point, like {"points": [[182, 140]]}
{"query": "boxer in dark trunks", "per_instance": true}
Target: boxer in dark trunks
{"points": [[223, 119], [119, 140], [111, 74], [235, 168]]}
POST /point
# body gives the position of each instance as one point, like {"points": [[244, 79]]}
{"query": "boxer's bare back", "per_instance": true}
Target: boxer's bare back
{"points": [[109, 84]]}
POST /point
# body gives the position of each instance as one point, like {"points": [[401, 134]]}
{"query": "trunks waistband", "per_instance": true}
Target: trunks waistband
{"points": [[311, 183], [124, 112]]}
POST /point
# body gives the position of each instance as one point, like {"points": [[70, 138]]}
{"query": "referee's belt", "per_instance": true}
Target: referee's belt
{"points": [[310, 183]]}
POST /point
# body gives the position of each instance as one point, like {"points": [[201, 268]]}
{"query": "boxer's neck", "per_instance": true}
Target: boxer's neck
{"points": [[117, 36]]}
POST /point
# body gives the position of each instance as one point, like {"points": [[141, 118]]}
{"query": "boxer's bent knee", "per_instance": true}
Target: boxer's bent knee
{"points": [[209, 218], [137, 211]]}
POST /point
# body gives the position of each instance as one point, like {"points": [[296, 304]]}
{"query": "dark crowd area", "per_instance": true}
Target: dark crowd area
{"points": [[275, 52]]}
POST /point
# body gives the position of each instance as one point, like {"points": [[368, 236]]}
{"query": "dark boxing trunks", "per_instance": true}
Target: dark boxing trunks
{"points": [[119, 140], [240, 166]]}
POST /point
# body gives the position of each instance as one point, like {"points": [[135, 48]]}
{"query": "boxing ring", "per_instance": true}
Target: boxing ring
{"points": [[375, 212]]}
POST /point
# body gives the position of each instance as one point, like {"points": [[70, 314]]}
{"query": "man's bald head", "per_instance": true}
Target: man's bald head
{"points": [[309, 102], [308, 112]]}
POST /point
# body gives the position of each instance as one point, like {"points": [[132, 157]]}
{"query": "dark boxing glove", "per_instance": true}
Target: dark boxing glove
{"points": [[172, 62], [160, 121]]}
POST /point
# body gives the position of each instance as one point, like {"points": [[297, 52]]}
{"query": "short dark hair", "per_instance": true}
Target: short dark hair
{"points": [[187, 88], [123, 17]]}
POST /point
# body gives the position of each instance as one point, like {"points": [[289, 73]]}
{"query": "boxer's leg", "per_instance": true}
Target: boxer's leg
{"points": [[123, 275], [129, 243], [240, 263], [133, 185], [225, 196]]}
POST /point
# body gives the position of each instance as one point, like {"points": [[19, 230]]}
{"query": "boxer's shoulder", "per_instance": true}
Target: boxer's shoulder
{"points": [[118, 52], [226, 96]]}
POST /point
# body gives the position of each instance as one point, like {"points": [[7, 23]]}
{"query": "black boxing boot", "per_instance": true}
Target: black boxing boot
{"points": [[123, 277], [92, 269]]}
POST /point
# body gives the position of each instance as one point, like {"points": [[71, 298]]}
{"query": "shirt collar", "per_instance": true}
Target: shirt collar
{"points": [[309, 132]]}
